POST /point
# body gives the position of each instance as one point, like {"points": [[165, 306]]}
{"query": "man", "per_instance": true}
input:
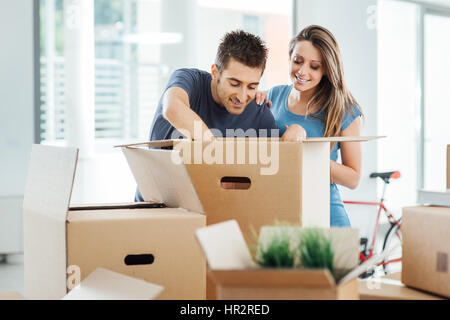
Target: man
{"points": [[217, 101]]}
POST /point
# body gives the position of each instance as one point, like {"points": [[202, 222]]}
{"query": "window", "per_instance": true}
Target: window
{"points": [[413, 96], [138, 43], [437, 97]]}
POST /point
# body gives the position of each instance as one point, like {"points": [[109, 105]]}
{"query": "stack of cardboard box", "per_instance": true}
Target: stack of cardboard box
{"points": [[270, 180], [63, 245]]}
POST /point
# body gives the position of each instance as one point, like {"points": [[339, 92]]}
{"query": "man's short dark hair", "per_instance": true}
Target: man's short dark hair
{"points": [[244, 47]]}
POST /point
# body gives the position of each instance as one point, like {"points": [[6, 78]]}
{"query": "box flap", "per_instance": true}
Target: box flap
{"points": [[46, 202], [104, 284], [162, 177], [151, 144], [342, 139], [367, 265], [110, 206], [224, 246], [50, 180], [274, 278]]}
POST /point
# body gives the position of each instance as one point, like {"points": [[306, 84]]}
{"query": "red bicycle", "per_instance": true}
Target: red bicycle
{"points": [[393, 236]]}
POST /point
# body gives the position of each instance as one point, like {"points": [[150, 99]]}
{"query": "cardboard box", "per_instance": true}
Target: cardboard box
{"points": [[390, 287], [271, 180], [238, 277], [426, 249], [104, 284], [63, 246]]}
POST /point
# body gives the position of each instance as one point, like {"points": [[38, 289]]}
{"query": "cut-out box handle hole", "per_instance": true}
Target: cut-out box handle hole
{"points": [[235, 183], [139, 259]]}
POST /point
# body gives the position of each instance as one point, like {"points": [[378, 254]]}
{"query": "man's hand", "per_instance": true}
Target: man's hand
{"points": [[261, 96], [294, 133]]}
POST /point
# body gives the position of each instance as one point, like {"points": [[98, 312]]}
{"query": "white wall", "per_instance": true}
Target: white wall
{"points": [[352, 23], [16, 116], [397, 100]]}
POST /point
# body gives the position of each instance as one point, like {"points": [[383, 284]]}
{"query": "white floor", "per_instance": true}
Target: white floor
{"points": [[11, 274]]}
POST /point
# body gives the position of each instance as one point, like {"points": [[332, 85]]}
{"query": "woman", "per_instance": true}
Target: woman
{"points": [[319, 101]]}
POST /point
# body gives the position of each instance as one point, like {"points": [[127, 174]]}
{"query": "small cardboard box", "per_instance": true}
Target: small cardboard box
{"points": [[238, 277], [104, 284], [149, 241], [426, 249], [390, 287]]}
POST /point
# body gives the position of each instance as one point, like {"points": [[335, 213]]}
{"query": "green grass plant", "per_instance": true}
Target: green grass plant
{"points": [[315, 250]]}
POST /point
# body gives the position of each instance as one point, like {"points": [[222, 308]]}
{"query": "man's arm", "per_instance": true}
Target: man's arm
{"points": [[177, 110]]}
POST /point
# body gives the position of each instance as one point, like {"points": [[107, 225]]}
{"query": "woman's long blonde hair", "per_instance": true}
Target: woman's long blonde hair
{"points": [[332, 95]]}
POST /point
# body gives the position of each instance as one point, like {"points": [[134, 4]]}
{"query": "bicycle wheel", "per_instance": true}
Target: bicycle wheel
{"points": [[393, 238]]}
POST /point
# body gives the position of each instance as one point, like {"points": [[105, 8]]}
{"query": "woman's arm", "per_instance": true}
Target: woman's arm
{"points": [[348, 173]]}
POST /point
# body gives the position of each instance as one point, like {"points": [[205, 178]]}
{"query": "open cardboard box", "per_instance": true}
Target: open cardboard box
{"points": [[238, 277], [288, 181], [150, 241], [104, 284]]}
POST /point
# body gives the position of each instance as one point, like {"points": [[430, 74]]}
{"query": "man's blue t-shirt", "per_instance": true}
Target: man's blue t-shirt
{"points": [[197, 84]]}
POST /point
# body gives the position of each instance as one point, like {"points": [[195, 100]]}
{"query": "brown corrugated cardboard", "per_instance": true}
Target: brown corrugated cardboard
{"points": [[282, 285], [390, 287], [107, 238], [104, 284], [238, 277], [426, 250], [62, 247]]}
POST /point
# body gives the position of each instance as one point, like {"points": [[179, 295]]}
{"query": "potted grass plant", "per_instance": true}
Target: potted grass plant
{"points": [[287, 247], [284, 262]]}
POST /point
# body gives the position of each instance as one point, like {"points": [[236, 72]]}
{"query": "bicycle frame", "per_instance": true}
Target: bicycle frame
{"points": [[391, 220]]}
